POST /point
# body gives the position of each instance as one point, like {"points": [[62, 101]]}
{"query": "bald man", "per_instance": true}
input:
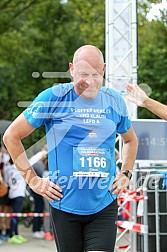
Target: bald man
{"points": [[81, 119]]}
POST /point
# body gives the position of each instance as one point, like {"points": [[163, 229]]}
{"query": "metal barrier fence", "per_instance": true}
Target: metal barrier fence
{"points": [[154, 211]]}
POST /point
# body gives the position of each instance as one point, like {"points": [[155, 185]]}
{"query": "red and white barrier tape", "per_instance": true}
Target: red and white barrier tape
{"points": [[137, 227], [24, 214], [132, 196]]}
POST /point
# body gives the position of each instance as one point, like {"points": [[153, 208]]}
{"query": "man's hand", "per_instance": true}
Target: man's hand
{"points": [[121, 183], [46, 188]]}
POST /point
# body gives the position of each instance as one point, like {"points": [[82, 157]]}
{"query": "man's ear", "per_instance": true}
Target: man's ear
{"points": [[104, 68], [71, 68]]}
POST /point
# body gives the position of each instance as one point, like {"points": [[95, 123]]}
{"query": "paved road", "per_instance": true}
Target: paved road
{"points": [[32, 245]]}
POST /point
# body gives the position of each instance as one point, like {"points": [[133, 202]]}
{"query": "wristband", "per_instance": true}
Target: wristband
{"points": [[127, 173]]}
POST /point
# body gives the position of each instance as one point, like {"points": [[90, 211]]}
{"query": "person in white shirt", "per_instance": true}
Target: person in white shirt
{"points": [[16, 194], [5, 206]]}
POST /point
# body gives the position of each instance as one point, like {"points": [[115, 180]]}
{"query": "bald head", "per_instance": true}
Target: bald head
{"points": [[87, 70], [90, 54]]}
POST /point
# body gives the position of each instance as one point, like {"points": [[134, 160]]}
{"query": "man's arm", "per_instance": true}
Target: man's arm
{"points": [[129, 152], [13, 136]]}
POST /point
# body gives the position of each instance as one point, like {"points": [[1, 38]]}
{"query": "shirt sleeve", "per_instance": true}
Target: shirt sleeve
{"points": [[40, 110], [125, 123]]}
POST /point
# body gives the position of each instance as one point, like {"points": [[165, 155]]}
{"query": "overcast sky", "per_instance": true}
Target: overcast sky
{"points": [[155, 10]]}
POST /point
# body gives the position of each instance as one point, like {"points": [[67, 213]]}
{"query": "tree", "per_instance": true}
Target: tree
{"points": [[152, 59], [41, 36]]}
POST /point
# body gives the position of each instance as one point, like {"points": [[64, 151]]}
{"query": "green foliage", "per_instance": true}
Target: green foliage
{"points": [[152, 60], [41, 36], [91, 21]]}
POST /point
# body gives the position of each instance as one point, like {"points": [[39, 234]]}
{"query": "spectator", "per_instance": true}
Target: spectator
{"points": [[48, 233], [5, 204], [39, 168], [16, 194], [139, 97]]}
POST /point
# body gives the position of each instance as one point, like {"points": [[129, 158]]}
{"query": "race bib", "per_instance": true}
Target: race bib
{"points": [[90, 162]]}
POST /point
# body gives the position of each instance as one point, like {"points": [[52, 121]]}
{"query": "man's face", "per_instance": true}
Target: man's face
{"points": [[87, 79]]}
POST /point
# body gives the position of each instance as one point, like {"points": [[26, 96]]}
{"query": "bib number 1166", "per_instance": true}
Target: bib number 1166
{"points": [[93, 162]]}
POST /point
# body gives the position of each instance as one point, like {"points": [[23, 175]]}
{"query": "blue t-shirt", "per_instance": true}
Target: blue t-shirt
{"points": [[81, 138]]}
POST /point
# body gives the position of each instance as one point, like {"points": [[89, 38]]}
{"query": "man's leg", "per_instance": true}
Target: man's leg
{"points": [[100, 232], [67, 230]]}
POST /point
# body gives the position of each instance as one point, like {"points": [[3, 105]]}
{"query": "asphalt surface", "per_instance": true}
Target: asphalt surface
{"points": [[32, 244]]}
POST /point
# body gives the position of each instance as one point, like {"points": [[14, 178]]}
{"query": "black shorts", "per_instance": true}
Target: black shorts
{"points": [[79, 233]]}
